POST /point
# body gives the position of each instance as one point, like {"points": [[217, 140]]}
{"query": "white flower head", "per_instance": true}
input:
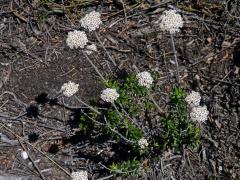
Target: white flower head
{"points": [[90, 49], [142, 143], [199, 114], [193, 99], [76, 39], [91, 21], [69, 89], [79, 175], [109, 95], [145, 79], [171, 21]]}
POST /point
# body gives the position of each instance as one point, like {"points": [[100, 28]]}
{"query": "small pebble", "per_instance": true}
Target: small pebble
{"points": [[24, 155]]}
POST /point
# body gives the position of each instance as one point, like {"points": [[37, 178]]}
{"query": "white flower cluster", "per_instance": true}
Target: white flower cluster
{"points": [[199, 114], [171, 21], [79, 175], [91, 21], [69, 89], [193, 99], [109, 95], [90, 49], [142, 143], [145, 79], [76, 39]]}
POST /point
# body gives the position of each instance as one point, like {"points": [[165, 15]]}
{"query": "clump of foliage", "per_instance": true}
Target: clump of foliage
{"points": [[122, 122], [119, 118], [177, 129], [126, 168]]}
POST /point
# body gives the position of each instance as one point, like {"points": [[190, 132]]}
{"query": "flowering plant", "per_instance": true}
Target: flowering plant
{"points": [[171, 21], [127, 106], [91, 21], [76, 39]]}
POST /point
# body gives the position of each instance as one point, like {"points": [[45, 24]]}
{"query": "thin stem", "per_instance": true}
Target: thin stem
{"points": [[102, 124], [119, 134], [115, 107], [109, 127], [155, 103], [167, 69], [32, 160], [109, 56], [89, 106], [107, 177], [128, 116], [175, 58], [95, 68]]}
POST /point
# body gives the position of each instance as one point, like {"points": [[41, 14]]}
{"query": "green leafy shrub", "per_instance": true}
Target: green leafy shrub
{"points": [[128, 106], [122, 122], [177, 129]]}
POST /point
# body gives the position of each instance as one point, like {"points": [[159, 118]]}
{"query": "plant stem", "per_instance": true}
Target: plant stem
{"points": [[95, 68], [119, 134], [89, 106], [150, 94], [104, 48], [175, 58]]}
